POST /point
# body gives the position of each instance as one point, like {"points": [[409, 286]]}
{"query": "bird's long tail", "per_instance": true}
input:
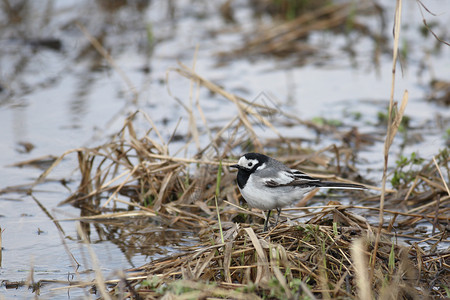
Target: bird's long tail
{"points": [[341, 185]]}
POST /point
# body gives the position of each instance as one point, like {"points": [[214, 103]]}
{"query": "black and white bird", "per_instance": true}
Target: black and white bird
{"points": [[267, 184]]}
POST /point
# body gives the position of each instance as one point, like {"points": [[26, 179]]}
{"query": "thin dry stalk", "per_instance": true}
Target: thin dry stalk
{"points": [[442, 176], [359, 258], [394, 120], [49, 215], [109, 59], [263, 264], [244, 111], [100, 282], [129, 174], [57, 161]]}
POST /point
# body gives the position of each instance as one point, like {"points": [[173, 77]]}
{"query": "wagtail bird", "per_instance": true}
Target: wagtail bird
{"points": [[267, 184]]}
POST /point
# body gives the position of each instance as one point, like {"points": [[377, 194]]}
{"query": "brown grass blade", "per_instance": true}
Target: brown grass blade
{"points": [[361, 266], [263, 264], [391, 129]]}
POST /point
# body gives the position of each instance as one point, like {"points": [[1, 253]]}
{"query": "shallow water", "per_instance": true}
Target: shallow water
{"points": [[63, 99]]}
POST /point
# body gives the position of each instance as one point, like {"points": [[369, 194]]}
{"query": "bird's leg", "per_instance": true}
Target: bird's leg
{"points": [[278, 215], [267, 220]]}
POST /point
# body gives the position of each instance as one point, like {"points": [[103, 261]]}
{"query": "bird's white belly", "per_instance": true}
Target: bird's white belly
{"points": [[266, 198]]}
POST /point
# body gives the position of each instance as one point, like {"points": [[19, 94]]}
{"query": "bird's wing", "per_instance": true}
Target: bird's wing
{"points": [[292, 178], [299, 175]]}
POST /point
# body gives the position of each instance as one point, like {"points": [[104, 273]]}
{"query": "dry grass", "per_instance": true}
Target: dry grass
{"points": [[137, 194], [394, 119]]}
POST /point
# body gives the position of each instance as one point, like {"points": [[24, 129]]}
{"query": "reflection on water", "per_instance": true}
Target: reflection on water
{"points": [[45, 40], [141, 236]]}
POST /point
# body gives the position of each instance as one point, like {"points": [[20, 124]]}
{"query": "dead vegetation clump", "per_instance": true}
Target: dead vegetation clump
{"points": [[307, 260], [300, 19]]}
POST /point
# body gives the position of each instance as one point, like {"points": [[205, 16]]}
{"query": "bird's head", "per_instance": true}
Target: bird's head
{"points": [[251, 162]]}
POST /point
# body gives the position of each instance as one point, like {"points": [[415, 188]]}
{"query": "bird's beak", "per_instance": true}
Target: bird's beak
{"points": [[235, 166]]}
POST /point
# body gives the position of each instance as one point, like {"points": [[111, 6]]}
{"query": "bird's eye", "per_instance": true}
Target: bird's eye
{"points": [[250, 164]]}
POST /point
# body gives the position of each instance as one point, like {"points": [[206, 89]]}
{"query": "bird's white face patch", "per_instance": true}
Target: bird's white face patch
{"points": [[247, 163], [261, 167]]}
